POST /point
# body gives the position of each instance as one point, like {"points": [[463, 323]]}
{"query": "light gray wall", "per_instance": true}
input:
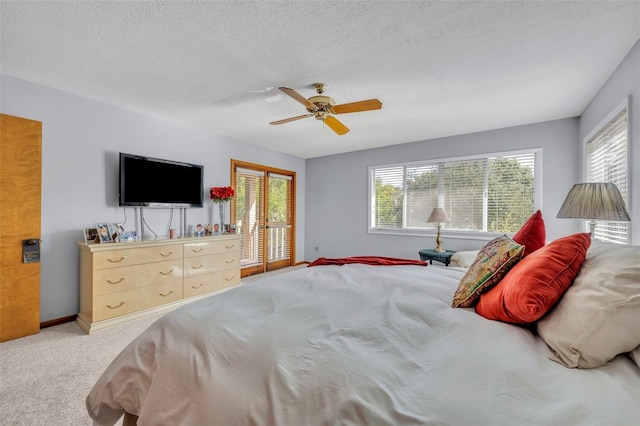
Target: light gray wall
{"points": [[81, 140], [337, 188], [623, 82]]}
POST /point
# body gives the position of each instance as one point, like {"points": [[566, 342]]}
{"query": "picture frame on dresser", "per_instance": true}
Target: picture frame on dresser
{"points": [[105, 232], [90, 235], [118, 233]]}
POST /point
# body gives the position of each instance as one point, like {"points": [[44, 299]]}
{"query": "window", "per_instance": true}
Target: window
{"points": [[494, 193], [606, 161]]}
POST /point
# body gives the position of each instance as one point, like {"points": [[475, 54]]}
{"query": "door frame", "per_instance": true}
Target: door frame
{"points": [[264, 266]]}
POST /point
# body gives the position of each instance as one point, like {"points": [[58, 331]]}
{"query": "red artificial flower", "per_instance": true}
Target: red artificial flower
{"points": [[221, 194]]}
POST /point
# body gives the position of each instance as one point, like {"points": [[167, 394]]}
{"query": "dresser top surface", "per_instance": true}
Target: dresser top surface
{"points": [[159, 242]]}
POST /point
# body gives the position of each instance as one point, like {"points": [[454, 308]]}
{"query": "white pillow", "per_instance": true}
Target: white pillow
{"points": [[635, 355], [599, 315], [463, 259]]}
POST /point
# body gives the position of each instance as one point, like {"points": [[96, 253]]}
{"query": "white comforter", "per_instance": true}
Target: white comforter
{"points": [[353, 345]]}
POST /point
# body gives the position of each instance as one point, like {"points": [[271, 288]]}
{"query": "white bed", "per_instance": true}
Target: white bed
{"points": [[353, 345]]}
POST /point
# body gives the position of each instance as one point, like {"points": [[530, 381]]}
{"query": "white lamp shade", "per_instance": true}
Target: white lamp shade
{"points": [[438, 215], [601, 201]]}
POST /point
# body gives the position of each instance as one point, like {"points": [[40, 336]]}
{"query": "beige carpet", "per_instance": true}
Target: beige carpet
{"points": [[45, 378]]}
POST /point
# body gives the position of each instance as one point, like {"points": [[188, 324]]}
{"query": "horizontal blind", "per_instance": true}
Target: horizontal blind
{"points": [[493, 193], [606, 158], [249, 199], [464, 194], [388, 193], [511, 192], [421, 194]]}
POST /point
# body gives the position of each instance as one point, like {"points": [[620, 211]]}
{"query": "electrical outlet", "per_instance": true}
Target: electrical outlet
{"points": [[316, 249]]}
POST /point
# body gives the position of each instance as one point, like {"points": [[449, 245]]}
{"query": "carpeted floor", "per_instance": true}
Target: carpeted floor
{"points": [[45, 378]]}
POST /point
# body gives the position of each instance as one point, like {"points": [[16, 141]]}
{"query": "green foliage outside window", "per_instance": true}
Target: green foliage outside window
{"points": [[460, 186]]}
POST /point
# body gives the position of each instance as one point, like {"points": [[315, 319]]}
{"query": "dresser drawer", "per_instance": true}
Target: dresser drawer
{"points": [[199, 265], [201, 284], [145, 277], [128, 277], [135, 256], [210, 247], [125, 302]]}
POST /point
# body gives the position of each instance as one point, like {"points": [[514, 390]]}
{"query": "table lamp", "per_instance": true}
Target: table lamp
{"points": [[592, 201], [438, 215]]}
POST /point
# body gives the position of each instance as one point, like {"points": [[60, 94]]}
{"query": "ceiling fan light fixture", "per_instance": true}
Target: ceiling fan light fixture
{"points": [[324, 107]]}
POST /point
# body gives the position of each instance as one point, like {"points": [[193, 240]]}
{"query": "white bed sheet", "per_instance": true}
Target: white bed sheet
{"points": [[353, 345]]}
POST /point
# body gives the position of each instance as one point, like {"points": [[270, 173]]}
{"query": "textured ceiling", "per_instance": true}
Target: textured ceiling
{"points": [[439, 68]]}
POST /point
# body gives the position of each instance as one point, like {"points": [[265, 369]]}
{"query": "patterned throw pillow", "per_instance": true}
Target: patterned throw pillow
{"points": [[492, 263]]}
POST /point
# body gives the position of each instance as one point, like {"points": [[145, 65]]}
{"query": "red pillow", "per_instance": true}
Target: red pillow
{"points": [[532, 235], [536, 283]]}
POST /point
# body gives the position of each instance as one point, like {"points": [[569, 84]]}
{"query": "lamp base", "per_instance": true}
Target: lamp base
{"points": [[439, 248]]}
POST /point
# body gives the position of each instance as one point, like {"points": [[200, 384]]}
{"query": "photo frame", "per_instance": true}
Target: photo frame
{"points": [[90, 235], [198, 230], [208, 230], [118, 233], [105, 232], [229, 228]]}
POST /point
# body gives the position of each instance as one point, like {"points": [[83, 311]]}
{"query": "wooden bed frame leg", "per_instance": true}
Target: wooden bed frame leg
{"points": [[129, 420]]}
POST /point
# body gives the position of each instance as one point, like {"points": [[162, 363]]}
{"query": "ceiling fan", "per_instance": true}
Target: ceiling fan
{"points": [[323, 108]]}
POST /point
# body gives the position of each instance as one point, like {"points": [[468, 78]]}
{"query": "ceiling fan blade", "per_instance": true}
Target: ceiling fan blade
{"points": [[298, 97], [286, 120], [336, 125], [368, 105]]}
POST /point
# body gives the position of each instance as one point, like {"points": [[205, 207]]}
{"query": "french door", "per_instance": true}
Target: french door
{"points": [[264, 213]]}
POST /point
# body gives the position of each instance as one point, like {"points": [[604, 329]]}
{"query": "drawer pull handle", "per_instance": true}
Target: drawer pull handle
{"points": [[229, 278], [116, 307], [229, 260], [165, 295], [167, 273], [198, 250], [230, 246], [117, 261], [197, 286], [116, 282], [165, 255], [197, 267]]}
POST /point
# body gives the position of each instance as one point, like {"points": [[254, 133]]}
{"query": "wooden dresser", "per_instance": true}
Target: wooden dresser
{"points": [[123, 281]]}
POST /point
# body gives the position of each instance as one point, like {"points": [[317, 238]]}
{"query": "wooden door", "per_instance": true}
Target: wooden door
{"points": [[264, 213], [20, 181]]}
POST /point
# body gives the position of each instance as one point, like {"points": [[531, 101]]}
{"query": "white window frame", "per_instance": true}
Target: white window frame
{"points": [[624, 104], [452, 233]]}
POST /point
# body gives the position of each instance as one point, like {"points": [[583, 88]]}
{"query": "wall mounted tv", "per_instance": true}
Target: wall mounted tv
{"points": [[153, 182]]}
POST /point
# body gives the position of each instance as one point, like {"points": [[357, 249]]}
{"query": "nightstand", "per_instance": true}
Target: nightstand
{"points": [[430, 255]]}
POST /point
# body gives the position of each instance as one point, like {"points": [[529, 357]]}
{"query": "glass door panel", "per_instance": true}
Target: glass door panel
{"points": [[279, 222], [249, 218], [264, 214]]}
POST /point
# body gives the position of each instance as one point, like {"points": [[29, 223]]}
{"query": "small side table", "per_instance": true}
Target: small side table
{"points": [[430, 255]]}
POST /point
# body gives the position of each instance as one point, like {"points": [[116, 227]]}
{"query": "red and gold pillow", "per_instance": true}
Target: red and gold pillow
{"points": [[536, 283], [532, 235], [491, 264]]}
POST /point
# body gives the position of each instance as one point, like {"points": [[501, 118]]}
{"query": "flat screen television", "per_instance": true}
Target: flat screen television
{"points": [[153, 182]]}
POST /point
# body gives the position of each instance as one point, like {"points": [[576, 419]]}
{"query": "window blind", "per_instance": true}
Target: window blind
{"points": [[606, 161], [249, 199], [489, 194]]}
